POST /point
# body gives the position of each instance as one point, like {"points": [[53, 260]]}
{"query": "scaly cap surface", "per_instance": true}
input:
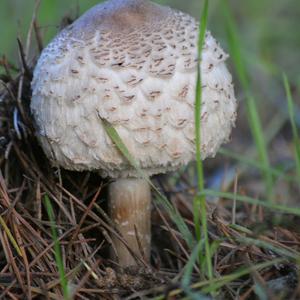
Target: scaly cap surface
{"points": [[134, 64]]}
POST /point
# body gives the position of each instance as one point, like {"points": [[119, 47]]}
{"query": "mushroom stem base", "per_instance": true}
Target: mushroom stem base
{"points": [[130, 209]]}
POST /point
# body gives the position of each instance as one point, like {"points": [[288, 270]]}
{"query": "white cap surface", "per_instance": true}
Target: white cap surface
{"points": [[134, 64]]}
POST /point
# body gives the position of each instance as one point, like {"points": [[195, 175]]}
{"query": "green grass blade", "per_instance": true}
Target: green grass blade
{"points": [[234, 45], [186, 279], [260, 291], [246, 199], [176, 217], [252, 113], [57, 251], [275, 171], [291, 254], [10, 236], [198, 104], [200, 201], [113, 134], [292, 114]]}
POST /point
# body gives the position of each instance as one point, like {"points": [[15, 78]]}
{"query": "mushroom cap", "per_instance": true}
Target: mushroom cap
{"points": [[134, 64]]}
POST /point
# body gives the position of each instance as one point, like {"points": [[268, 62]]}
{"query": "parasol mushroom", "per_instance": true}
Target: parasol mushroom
{"points": [[132, 63]]}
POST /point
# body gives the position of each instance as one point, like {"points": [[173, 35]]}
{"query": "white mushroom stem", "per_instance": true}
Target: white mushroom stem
{"points": [[130, 209]]}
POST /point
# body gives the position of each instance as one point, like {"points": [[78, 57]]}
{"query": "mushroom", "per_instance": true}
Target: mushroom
{"points": [[132, 63]]}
